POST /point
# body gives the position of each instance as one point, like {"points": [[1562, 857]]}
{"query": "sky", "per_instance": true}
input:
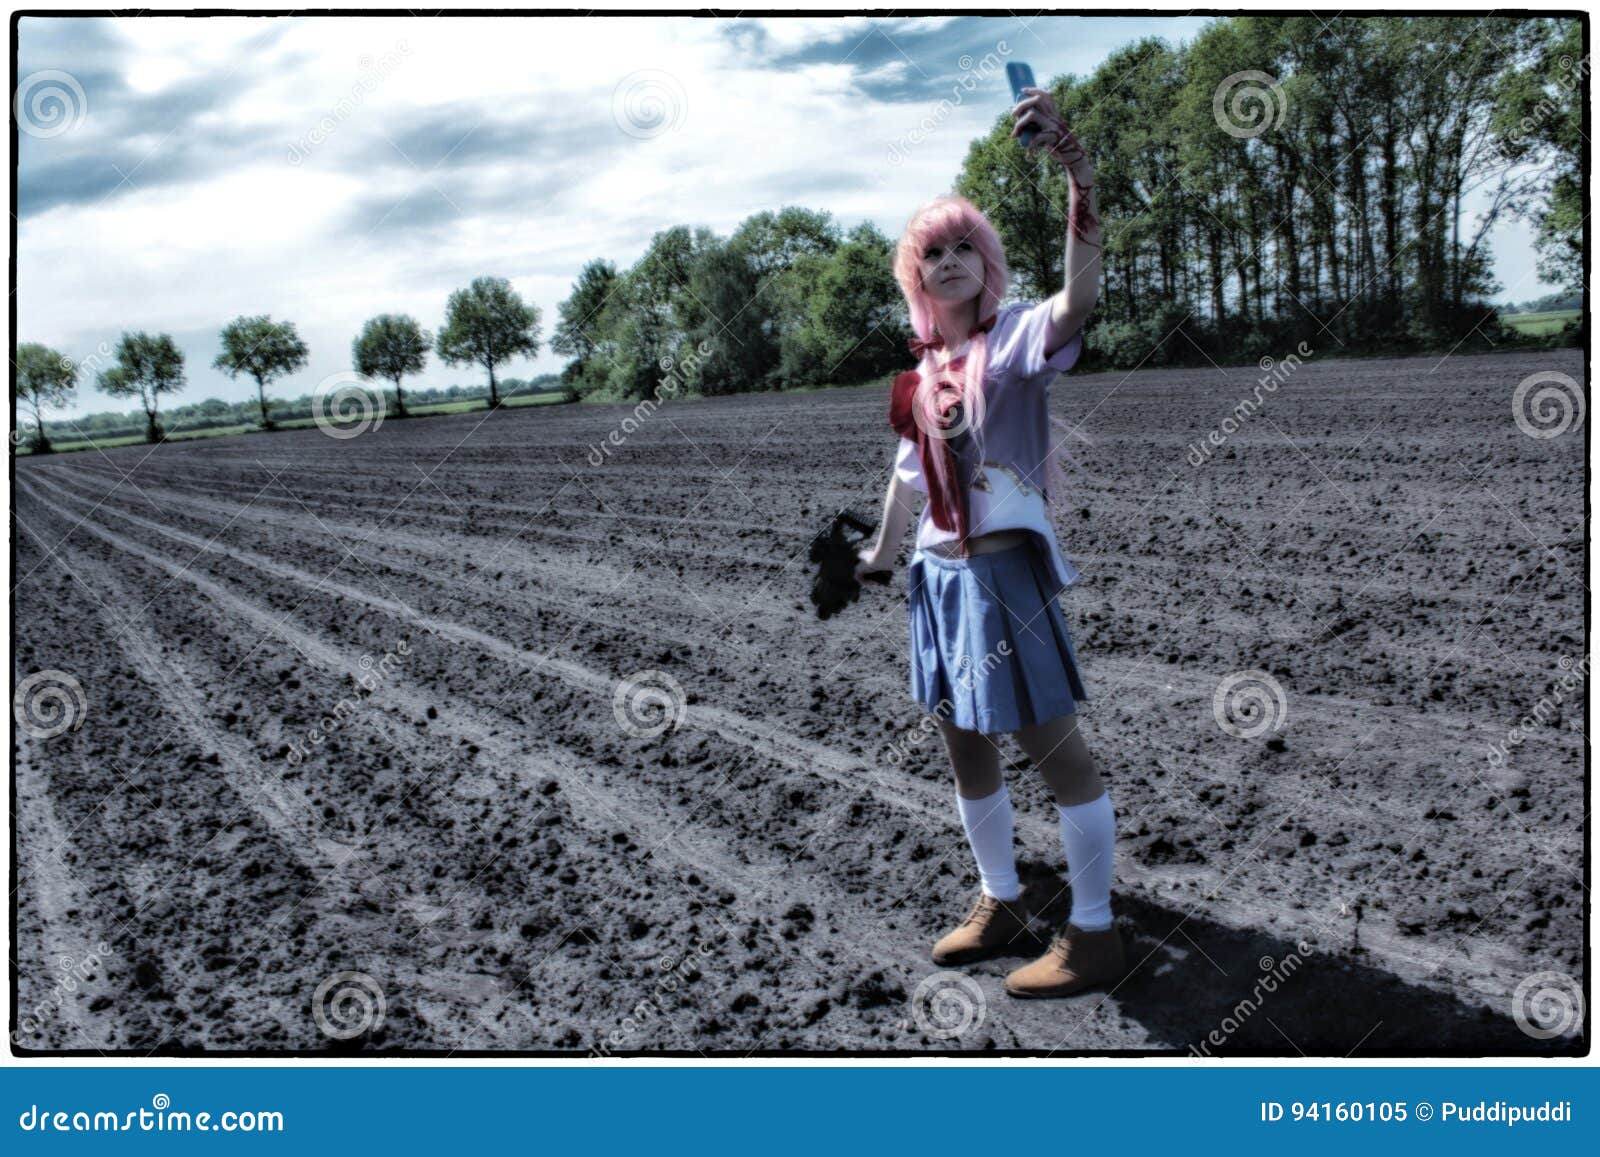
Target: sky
{"points": [[328, 169]]}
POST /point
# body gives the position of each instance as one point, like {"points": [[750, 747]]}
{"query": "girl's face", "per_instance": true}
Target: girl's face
{"points": [[952, 271]]}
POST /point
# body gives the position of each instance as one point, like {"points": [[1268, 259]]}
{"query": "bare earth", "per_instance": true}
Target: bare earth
{"points": [[509, 868]]}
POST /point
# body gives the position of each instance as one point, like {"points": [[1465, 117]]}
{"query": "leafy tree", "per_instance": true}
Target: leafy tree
{"points": [[857, 313], [264, 349], [392, 345], [576, 334], [147, 366], [1541, 117], [487, 324], [44, 378], [581, 333]]}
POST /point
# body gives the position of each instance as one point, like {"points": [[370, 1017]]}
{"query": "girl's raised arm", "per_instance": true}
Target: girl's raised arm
{"points": [[1071, 307]]}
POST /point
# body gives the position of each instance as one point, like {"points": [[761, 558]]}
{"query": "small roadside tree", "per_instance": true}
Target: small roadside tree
{"points": [[391, 345], [147, 366], [44, 378], [487, 324], [264, 349]]}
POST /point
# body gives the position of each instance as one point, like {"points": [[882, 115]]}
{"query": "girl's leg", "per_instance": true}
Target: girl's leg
{"points": [[1088, 824], [985, 806], [975, 759], [1063, 760]]}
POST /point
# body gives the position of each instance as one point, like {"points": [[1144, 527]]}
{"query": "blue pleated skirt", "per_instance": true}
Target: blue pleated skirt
{"points": [[989, 645]]}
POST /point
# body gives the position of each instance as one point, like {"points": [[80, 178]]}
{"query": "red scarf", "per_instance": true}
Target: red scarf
{"points": [[948, 504]]}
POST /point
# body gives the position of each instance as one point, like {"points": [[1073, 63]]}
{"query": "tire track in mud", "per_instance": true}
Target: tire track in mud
{"points": [[287, 813], [769, 740], [48, 884], [373, 557]]}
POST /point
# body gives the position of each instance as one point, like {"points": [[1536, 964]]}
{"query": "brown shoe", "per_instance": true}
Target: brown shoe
{"points": [[990, 926], [1077, 959]]}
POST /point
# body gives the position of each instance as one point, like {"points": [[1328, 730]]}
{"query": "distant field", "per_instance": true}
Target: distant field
{"points": [[518, 402], [1539, 324]]}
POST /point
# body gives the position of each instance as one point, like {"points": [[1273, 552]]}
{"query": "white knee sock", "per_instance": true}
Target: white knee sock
{"points": [[990, 825], [1088, 838]]}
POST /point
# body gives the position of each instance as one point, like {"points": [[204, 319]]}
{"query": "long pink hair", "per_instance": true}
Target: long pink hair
{"points": [[948, 220]]}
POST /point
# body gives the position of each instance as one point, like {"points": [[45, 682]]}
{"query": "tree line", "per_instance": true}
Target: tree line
{"points": [[486, 324], [1279, 179]]}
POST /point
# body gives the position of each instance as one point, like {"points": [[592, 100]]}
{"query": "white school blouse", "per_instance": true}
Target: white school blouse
{"points": [[1007, 493]]}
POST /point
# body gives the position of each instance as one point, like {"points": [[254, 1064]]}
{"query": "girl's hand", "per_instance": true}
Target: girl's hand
{"points": [[871, 562], [1038, 108]]}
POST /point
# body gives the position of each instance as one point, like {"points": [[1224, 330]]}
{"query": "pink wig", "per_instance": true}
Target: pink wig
{"points": [[947, 221]]}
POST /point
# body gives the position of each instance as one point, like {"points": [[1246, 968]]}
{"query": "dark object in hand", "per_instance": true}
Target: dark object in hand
{"points": [[837, 553]]}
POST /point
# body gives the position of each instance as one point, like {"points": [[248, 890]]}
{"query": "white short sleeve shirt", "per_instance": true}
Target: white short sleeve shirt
{"points": [[1009, 493]]}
